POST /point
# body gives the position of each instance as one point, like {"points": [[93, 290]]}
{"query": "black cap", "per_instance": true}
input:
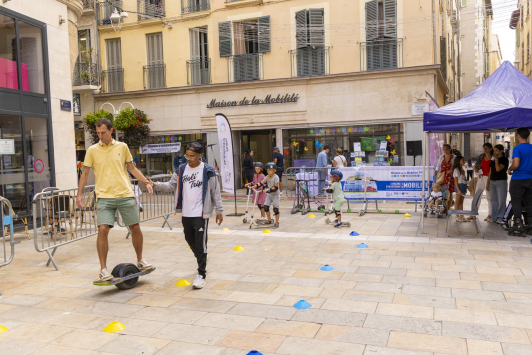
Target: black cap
{"points": [[195, 147]]}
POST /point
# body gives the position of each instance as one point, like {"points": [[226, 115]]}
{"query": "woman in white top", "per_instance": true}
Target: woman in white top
{"points": [[339, 160]]}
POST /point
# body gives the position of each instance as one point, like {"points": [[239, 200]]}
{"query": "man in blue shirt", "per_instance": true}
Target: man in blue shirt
{"points": [[322, 163], [178, 160], [521, 183]]}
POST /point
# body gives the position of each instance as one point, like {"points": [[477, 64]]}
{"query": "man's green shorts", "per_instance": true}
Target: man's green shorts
{"points": [[106, 210]]}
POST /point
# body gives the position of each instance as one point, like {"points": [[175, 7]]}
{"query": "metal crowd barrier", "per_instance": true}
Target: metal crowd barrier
{"points": [[57, 221], [7, 219], [305, 186]]}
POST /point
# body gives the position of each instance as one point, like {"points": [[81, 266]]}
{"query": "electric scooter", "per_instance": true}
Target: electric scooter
{"points": [[252, 221]]}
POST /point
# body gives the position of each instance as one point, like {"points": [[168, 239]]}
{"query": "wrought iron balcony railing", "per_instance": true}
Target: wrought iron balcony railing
{"points": [[85, 74], [190, 6], [310, 61], [199, 71], [105, 10], [381, 54], [245, 67], [154, 76], [150, 9], [113, 80]]}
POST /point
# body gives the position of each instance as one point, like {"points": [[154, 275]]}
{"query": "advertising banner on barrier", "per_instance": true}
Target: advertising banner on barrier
{"points": [[392, 182], [225, 142], [160, 148]]}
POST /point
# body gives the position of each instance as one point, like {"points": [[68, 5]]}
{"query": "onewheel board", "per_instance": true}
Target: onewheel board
{"points": [[125, 276]]}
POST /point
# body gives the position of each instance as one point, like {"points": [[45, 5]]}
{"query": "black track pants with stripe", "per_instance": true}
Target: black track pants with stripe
{"points": [[195, 229]]}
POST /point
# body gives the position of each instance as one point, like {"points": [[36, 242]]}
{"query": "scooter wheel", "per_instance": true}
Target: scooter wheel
{"points": [[245, 220], [361, 213], [321, 207], [327, 221], [294, 211], [348, 224]]}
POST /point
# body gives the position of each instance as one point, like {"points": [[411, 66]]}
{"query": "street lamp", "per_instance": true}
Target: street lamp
{"points": [[117, 19]]}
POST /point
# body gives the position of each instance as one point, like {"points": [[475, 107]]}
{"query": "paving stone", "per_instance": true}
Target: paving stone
{"points": [[413, 325], [362, 277], [493, 306], [464, 316], [289, 301], [427, 291], [153, 300], [204, 305], [357, 335], [485, 332], [428, 301], [404, 280], [478, 295], [518, 297], [36, 332], [481, 347], [27, 314], [23, 300], [249, 340], [510, 279], [509, 349], [110, 309], [405, 311], [377, 350], [107, 296], [321, 316], [302, 346], [183, 348], [302, 281], [20, 347], [266, 311], [191, 334], [253, 297], [298, 290], [426, 342], [368, 296], [433, 274], [62, 350], [381, 271], [349, 306], [85, 339], [230, 321], [133, 345], [289, 328], [465, 284], [493, 286], [514, 320], [497, 270]]}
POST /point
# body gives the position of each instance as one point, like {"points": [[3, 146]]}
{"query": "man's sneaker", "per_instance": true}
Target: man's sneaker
{"points": [[261, 219], [275, 226], [143, 265], [105, 275], [199, 282], [338, 225]]}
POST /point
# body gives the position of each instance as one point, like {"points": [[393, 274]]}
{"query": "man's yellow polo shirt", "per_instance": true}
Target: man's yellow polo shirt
{"points": [[110, 171]]}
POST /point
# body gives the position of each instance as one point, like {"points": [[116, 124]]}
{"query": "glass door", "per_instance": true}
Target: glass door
{"points": [[37, 155], [12, 174]]}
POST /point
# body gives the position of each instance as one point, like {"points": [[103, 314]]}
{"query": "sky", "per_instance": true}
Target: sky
{"points": [[502, 10]]}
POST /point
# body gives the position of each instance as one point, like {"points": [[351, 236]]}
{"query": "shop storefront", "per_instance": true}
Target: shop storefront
{"points": [[26, 165]]}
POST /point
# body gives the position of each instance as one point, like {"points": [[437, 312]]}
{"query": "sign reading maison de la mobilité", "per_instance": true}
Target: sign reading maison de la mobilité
{"points": [[254, 101]]}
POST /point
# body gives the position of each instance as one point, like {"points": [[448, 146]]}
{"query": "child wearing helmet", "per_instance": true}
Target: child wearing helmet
{"points": [[261, 198], [271, 182], [337, 194]]}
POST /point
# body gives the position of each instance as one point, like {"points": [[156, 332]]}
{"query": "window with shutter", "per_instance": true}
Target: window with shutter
{"points": [[155, 67], [316, 27], [195, 67], [443, 56], [114, 73], [226, 44], [301, 29], [372, 20], [263, 35], [390, 18]]}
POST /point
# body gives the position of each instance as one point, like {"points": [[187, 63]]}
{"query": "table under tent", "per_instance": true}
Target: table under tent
{"points": [[502, 103]]}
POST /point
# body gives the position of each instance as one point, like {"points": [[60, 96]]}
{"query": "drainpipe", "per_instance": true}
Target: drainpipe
{"points": [[434, 31]]}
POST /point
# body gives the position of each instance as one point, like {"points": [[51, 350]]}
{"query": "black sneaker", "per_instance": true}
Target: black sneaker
{"points": [[269, 222], [275, 226]]}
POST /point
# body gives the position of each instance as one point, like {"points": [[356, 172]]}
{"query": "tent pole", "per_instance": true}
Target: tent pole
{"points": [[425, 173]]}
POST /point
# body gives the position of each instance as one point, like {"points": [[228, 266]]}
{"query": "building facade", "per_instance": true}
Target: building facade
{"points": [[522, 23], [294, 74], [35, 123]]}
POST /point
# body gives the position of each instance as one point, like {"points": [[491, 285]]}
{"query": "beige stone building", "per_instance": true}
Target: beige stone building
{"points": [[359, 69], [37, 52]]}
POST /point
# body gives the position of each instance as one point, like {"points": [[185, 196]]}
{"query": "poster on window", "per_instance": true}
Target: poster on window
{"points": [[225, 142], [403, 183], [76, 104]]}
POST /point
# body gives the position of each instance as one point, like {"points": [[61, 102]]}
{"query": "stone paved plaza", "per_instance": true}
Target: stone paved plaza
{"points": [[407, 294]]}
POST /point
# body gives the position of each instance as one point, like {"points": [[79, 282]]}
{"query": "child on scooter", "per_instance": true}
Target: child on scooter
{"points": [[271, 182], [257, 178], [337, 194]]}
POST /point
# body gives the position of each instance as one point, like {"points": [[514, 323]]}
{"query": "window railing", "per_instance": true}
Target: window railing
{"points": [[199, 71], [381, 54], [113, 80], [190, 6], [88, 4], [154, 76], [105, 10], [310, 61], [85, 74], [245, 67], [150, 9]]}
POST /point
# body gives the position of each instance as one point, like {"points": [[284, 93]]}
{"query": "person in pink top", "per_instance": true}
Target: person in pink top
{"points": [[261, 198]]}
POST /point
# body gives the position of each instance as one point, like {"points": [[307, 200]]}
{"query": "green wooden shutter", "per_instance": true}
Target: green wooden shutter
{"points": [[226, 42], [443, 56], [390, 18], [155, 60], [316, 27], [372, 20], [195, 65], [263, 24], [303, 61], [317, 57], [301, 29]]}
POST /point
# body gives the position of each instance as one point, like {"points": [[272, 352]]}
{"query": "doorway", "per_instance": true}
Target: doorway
{"points": [[261, 142]]}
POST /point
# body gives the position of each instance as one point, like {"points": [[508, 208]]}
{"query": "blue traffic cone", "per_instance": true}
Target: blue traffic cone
{"points": [[302, 305], [362, 246], [354, 234], [326, 268]]}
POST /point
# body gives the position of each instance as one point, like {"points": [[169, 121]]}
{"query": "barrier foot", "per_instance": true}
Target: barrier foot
{"points": [[128, 233], [51, 258], [166, 222]]}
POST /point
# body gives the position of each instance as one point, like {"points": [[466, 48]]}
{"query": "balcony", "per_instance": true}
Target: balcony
{"points": [[310, 61], [105, 10], [154, 76], [88, 4], [191, 6], [85, 74], [381, 54], [199, 72], [113, 80], [148, 9], [245, 67]]}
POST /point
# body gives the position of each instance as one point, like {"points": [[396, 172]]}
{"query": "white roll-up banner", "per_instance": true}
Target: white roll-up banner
{"points": [[225, 142]]}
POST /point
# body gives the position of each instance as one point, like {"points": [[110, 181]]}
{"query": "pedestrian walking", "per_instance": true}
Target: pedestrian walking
{"points": [[322, 163], [111, 161], [197, 195], [482, 167], [248, 167], [445, 174], [521, 183], [498, 184], [278, 160]]}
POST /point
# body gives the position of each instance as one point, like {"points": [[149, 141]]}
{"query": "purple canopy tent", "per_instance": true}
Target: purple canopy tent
{"points": [[501, 103]]}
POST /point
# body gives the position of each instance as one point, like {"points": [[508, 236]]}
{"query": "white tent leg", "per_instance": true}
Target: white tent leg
{"points": [[425, 175]]}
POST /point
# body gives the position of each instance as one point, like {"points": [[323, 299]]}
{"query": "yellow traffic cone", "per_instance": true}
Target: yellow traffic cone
{"points": [[311, 216], [407, 215], [114, 327], [226, 230], [239, 248], [182, 283], [3, 329], [266, 231]]}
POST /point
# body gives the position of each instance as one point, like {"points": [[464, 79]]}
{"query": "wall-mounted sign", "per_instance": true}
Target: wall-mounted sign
{"points": [[419, 109], [38, 166], [160, 148], [76, 103], [7, 146], [255, 101], [66, 105]]}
